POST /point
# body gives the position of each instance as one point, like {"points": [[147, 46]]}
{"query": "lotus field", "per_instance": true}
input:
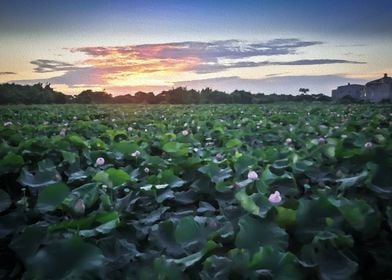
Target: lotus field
{"points": [[281, 191]]}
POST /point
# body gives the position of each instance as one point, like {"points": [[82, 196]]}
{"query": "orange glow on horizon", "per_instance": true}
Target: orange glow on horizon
{"points": [[124, 67]]}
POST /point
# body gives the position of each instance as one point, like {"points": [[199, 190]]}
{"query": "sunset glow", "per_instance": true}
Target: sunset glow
{"points": [[151, 46]]}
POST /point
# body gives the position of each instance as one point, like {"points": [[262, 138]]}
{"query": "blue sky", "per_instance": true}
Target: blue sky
{"points": [[158, 44]]}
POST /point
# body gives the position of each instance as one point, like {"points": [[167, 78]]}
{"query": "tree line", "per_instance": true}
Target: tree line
{"points": [[45, 94]]}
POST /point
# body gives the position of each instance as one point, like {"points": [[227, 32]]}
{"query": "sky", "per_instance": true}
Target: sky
{"points": [[263, 46]]}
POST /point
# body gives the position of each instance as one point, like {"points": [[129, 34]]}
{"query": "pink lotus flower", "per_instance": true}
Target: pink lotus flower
{"points": [[368, 145], [100, 161], [252, 175], [275, 198], [288, 141], [135, 154], [129, 129], [79, 207], [62, 132], [219, 156], [322, 140]]}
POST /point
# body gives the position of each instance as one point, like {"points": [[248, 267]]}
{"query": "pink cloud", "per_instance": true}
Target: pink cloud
{"points": [[118, 66]]}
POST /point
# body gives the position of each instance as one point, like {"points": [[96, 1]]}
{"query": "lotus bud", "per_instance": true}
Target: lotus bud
{"points": [[321, 140], [275, 198], [62, 132], [252, 175], [79, 207], [100, 161], [368, 145], [219, 156]]}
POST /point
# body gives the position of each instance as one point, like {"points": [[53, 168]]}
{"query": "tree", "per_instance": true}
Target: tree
{"points": [[89, 96], [241, 96], [303, 90]]}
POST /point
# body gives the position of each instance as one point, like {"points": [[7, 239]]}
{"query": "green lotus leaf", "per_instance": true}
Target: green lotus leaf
{"points": [[68, 258], [256, 232], [5, 201], [52, 196]]}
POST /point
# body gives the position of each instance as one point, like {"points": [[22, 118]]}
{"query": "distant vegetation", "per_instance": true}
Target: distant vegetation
{"points": [[44, 94]]}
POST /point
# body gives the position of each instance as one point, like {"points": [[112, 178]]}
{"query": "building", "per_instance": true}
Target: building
{"points": [[378, 90], [374, 91], [353, 91]]}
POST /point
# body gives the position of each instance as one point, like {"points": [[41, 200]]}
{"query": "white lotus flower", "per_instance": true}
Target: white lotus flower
{"points": [[135, 154]]}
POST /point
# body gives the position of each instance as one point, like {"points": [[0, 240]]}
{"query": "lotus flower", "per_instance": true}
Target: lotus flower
{"points": [[275, 198], [79, 207], [288, 141], [252, 175], [146, 170], [368, 145], [322, 140], [62, 132], [185, 132], [100, 161], [135, 154], [7, 123], [129, 129], [219, 156]]}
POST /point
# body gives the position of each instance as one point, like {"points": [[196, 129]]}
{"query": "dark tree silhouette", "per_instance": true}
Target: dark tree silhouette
{"points": [[303, 90], [44, 94]]}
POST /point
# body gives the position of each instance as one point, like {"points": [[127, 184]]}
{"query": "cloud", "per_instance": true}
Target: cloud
{"points": [[45, 66], [82, 76], [155, 65], [187, 56], [275, 84], [205, 51], [199, 57], [211, 68], [276, 74], [103, 65], [7, 73], [317, 62]]}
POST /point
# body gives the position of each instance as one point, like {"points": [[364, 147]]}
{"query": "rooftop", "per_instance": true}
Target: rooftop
{"points": [[385, 79]]}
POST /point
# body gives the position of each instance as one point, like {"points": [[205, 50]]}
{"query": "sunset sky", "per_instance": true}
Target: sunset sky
{"points": [[152, 45]]}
